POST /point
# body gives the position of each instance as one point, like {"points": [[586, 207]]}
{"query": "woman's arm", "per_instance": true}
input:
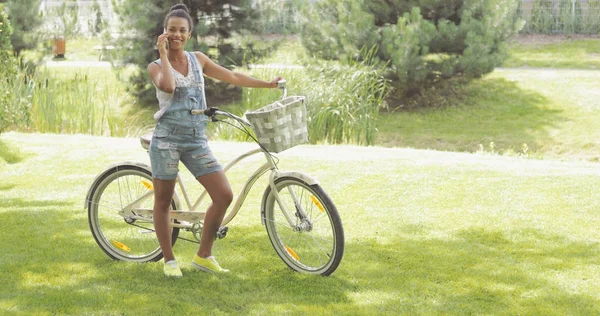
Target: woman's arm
{"points": [[218, 72], [162, 75]]}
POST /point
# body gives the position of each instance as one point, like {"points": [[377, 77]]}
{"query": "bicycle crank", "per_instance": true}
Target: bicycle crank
{"points": [[222, 232]]}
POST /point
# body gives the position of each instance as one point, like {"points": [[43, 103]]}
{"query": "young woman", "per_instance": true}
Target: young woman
{"points": [[180, 136]]}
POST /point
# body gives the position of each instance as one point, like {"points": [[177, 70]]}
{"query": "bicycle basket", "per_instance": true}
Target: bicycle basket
{"points": [[280, 125]]}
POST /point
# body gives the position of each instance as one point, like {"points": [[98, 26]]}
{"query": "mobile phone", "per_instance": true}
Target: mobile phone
{"points": [[167, 39]]}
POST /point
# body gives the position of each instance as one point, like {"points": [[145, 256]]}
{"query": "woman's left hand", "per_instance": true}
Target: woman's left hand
{"points": [[273, 83]]}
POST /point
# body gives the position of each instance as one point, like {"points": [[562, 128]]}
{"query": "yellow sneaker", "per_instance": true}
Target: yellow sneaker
{"points": [[207, 264], [172, 269]]}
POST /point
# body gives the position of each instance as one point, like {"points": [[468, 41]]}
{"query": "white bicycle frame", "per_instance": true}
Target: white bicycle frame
{"points": [[187, 218]]}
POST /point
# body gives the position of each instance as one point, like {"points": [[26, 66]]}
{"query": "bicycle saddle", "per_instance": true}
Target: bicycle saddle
{"points": [[145, 140]]}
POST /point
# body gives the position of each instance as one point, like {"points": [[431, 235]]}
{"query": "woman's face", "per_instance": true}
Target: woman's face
{"points": [[178, 32]]}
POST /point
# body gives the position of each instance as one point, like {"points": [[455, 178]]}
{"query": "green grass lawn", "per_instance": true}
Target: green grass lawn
{"points": [[547, 113], [549, 52], [427, 232]]}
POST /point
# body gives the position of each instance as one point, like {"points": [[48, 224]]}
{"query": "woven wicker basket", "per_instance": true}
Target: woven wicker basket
{"points": [[280, 125]]}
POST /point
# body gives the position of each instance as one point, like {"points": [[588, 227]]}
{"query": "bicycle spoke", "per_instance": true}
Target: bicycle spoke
{"points": [[281, 223]]}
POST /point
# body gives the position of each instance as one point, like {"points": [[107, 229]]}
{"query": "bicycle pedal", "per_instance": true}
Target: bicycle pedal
{"points": [[222, 232]]}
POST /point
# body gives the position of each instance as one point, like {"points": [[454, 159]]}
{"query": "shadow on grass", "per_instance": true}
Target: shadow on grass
{"points": [[494, 110], [19, 203], [7, 186], [58, 268]]}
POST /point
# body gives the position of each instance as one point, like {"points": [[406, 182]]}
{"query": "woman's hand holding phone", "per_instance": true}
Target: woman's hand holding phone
{"points": [[162, 43]]}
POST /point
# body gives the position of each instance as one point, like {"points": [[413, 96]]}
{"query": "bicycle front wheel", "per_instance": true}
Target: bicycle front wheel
{"points": [[305, 230], [120, 236]]}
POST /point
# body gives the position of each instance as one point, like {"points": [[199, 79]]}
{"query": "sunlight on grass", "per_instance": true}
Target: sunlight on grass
{"points": [[58, 275], [533, 113], [582, 54]]}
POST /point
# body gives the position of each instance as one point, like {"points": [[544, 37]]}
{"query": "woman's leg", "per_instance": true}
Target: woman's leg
{"points": [[163, 193], [218, 189]]}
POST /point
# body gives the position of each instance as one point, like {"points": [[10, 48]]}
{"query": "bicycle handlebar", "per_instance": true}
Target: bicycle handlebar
{"points": [[212, 112]]}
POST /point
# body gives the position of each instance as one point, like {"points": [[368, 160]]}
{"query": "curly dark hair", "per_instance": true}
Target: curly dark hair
{"points": [[181, 11]]}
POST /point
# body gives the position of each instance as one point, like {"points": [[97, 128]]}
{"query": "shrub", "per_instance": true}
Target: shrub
{"points": [[424, 42], [9, 112], [569, 17], [25, 19], [542, 17]]}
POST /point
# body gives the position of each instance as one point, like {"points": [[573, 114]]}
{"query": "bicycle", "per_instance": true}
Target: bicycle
{"points": [[301, 221]]}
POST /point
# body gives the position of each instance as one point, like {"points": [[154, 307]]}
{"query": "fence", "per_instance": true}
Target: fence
{"points": [[561, 16]]}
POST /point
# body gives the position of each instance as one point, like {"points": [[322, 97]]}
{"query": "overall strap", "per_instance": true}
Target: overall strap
{"points": [[198, 75], [196, 68]]}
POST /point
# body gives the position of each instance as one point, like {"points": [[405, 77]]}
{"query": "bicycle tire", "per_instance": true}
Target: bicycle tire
{"points": [[318, 250], [121, 238]]}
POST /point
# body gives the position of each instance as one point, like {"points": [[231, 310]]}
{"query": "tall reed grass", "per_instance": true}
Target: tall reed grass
{"points": [[343, 101], [77, 102]]}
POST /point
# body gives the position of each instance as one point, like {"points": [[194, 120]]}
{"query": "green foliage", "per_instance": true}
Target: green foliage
{"points": [[8, 69], [569, 17], [25, 19], [423, 42], [6, 31], [338, 29], [73, 103], [10, 153], [564, 17], [346, 107], [591, 22], [97, 22], [542, 17]]}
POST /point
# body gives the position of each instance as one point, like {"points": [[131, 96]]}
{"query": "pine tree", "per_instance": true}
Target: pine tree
{"points": [[7, 69], [25, 18], [423, 42], [97, 22]]}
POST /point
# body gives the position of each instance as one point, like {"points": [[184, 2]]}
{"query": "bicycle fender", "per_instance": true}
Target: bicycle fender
{"points": [[110, 168], [310, 180]]}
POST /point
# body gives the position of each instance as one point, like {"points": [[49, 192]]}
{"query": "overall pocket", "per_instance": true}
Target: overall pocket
{"points": [[161, 131]]}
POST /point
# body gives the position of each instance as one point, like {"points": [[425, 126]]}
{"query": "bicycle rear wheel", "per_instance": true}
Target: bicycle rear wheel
{"points": [[314, 240], [123, 237]]}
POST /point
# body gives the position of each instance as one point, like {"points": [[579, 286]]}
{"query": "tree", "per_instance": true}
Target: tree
{"points": [[97, 23], [424, 42], [8, 69], [25, 19], [216, 21]]}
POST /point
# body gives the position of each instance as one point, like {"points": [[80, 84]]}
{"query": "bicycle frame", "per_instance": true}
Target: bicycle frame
{"points": [[187, 218]]}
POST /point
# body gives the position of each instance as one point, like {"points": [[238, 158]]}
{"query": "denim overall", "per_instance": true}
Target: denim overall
{"points": [[181, 136]]}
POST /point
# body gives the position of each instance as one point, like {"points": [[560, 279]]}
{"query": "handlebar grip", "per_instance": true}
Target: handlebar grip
{"points": [[281, 84], [208, 112]]}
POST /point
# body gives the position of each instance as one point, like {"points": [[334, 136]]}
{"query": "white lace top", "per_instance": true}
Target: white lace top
{"points": [[164, 98]]}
